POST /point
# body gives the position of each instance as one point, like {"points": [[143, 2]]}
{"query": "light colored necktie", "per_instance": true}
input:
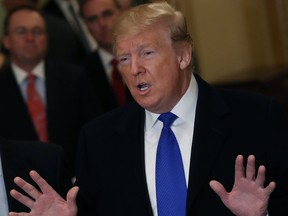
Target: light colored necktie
{"points": [[171, 189], [36, 109]]}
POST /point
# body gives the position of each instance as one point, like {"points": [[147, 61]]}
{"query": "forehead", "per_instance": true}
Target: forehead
{"points": [[26, 18], [93, 7], [154, 38]]}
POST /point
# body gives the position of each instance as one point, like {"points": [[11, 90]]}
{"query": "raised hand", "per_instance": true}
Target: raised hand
{"points": [[46, 202], [248, 196]]}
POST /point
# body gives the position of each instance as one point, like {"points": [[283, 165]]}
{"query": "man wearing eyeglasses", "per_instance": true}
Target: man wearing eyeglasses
{"points": [[41, 99]]}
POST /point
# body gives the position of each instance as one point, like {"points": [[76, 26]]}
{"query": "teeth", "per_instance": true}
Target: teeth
{"points": [[143, 87]]}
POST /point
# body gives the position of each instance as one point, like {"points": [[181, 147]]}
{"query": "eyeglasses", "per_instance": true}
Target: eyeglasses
{"points": [[21, 32]]}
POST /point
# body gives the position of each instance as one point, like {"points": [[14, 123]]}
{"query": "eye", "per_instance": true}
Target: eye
{"points": [[123, 60], [92, 19], [148, 53], [107, 13], [38, 31]]}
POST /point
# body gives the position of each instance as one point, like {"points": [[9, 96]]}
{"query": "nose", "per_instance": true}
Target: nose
{"points": [[136, 66], [102, 21], [29, 36]]}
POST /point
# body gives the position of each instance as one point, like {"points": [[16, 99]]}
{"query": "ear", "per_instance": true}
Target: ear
{"points": [[184, 54], [6, 42]]}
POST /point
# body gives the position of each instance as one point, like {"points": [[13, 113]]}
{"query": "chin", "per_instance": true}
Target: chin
{"points": [[144, 104]]}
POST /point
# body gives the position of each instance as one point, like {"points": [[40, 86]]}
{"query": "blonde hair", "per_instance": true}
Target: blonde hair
{"points": [[143, 17]]}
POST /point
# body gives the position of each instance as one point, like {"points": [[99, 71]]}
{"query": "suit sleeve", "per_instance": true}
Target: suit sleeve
{"points": [[277, 160]]}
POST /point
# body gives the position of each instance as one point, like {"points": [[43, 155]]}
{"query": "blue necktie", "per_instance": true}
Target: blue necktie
{"points": [[171, 187]]}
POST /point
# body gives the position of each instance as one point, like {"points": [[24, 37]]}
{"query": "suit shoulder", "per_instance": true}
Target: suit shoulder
{"points": [[130, 111], [92, 61], [243, 98], [65, 67], [31, 147]]}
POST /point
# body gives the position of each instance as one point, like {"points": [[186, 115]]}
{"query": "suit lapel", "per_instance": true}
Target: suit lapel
{"points": [[131, 135], [13, 103], [209, 132], [13, 163], [55, 94], [51, 88]]}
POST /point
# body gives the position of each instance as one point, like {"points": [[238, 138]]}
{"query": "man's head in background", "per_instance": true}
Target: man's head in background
{"points": [[100, 17], [25, 36]]}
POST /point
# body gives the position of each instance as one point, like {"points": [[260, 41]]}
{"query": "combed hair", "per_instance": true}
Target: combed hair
{"points": [[143, 17], [82, 3], [21, 8]]}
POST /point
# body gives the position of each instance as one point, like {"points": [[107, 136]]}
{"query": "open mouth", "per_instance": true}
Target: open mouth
{"points": [[143, 86]]}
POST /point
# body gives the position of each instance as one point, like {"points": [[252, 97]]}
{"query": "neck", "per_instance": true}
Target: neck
{"points": [[26, 67]]}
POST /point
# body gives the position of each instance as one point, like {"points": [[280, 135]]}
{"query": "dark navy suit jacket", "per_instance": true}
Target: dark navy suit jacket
{"points": [[19, 158], [111, 168], [70, 104]]}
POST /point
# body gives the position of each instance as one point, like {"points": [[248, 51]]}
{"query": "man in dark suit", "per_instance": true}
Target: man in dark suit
{"points": [[64, 44], [68, 11], [100, 16], [63, 88], [120, 170], [20, 158]]}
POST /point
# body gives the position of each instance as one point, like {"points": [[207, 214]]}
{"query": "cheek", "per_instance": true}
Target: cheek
{"points": [[16, 44], [93, 29], [125, 76], [43, 43], [6, 43]]}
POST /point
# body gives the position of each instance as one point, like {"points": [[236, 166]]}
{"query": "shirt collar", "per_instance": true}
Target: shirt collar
{"points": [[184, 109], [21, 75], [105, 56], [1, 169]]}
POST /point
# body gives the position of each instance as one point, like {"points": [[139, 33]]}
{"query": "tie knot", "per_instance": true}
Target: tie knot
{"points": [[167, 118], [31, 78]]}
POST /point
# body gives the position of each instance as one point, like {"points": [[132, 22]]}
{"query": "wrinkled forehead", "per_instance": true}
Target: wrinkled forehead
{"points": [[26, 18], [98, 7], [152, 34]]}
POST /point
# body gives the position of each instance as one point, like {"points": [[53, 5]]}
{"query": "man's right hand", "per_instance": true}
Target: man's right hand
{"points": [[46, 202]]}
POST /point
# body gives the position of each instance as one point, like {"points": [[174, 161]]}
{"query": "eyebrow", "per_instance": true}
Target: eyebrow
{"points": [[103, 13], [138, 49], [144, 46]]}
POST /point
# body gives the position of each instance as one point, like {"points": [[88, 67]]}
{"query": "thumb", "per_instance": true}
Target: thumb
{"points": [[218, 188], [71, 199]]}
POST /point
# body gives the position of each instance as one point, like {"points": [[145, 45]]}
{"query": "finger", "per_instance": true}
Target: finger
{"points": [[71, 198], [239, 168], [250, 168], [270, 188], [28, 188], [44, 186], [219, 189], [18, 214], [72, 194], [260, 179], [25, 200]]}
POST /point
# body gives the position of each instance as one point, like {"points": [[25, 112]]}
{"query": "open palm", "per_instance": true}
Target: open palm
{"points": [[248, 196], [46, 202]]}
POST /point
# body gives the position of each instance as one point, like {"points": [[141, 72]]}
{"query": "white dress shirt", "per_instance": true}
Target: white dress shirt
{"points": [[3, 196], [21, 79], [183, 128]]}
